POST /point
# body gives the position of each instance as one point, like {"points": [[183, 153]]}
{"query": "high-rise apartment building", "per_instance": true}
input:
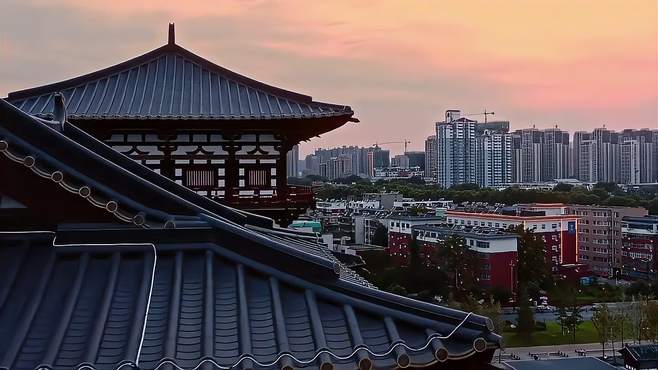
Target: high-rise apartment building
{"points": [[431, 158], [292, 162], [607, 152], [359, 159], [337, 167], [555, 159], [638, 149], [400, 160], [456, 148], [530, 156], [629, 157], [630, 172], [654, 140], [416, 159], [494, 159]]}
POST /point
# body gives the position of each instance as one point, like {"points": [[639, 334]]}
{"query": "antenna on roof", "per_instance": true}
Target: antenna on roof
{"points": [[59, 108], [172, 35]]}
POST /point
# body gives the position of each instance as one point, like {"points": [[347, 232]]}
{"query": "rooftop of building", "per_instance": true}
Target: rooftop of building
{"points": [[574, 363], [468, 231], [642, 352], [515, 217], [649, 219], [408, 217]]}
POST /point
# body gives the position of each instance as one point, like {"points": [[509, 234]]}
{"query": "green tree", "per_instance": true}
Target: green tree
{"points": [[500, 295], [620, 325], [460, 263], [563, 187], [526, 316], [380, 237], [573, 321], [652, 206], [533, 271], [610, 187], [637, 318], [603, 323], [651, 320]]}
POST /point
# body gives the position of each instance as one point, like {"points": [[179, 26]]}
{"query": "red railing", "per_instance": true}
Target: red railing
{"points": [[294, 196]]}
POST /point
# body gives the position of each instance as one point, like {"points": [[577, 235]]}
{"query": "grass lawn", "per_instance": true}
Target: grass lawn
{"points": [[586, 333]]}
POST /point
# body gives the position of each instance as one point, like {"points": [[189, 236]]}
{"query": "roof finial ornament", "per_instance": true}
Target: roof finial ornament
{"points": [[172, 35], [59, 109]]}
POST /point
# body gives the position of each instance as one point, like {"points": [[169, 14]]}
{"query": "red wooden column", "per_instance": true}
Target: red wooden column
{"points": [[231, 174], [282, 170]]}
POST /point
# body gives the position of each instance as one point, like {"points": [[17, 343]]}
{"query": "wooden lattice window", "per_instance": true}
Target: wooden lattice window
{"points": [[258, 178], [200, 178]]}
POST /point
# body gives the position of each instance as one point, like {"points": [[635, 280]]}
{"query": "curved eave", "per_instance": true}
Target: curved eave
{"points": [[346, 114]]}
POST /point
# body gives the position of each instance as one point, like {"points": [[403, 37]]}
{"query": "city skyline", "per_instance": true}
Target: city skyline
{"points": [[546, 63]]}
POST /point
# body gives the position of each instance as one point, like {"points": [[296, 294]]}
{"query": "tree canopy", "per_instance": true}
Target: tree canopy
{"points": [[563, 193]]}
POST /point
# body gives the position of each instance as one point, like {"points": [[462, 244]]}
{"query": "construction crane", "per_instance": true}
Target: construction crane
{"points": [[405, 142], [485, 114]]}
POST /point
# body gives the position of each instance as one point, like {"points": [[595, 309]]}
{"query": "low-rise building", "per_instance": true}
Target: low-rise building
{"points": [[559, 232], [497, 250], [639, 249], [600, 236], [400, 233]]}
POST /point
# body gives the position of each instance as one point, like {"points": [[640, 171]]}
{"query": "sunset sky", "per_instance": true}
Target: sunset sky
{"points": [[400, 64]]}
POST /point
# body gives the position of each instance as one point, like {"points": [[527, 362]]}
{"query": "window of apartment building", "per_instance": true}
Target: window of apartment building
{"points": [[543, 226], [555, 248], [554, 226], [489, 223], [481, 244], [498, 224]]}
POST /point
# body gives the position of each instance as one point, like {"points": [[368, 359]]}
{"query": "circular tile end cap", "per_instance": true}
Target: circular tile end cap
{"points": [[479, 345]]}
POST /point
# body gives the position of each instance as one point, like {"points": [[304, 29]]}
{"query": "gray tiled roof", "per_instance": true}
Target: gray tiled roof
{"points": [[172, 83], [64, 306]]}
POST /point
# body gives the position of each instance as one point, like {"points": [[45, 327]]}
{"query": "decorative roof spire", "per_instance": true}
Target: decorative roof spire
{"points": [[172, 35]]}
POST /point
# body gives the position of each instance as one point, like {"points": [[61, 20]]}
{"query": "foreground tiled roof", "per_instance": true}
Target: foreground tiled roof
{"points": [[208, 287], [172, 83], [200, 302]]}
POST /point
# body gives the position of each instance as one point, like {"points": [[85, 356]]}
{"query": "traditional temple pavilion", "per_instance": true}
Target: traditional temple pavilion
{"points": [[219, 133], [134, 271]]}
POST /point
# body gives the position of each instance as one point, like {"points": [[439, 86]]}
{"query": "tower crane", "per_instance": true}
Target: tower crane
{"points": [[405, 142], [485, 114]]}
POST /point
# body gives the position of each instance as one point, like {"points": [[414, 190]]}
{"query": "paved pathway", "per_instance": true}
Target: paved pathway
{"points": [[525, 353]]}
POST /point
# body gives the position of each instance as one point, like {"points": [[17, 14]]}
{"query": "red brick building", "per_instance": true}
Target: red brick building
{"points": [[497, 251], [639, 247], [399, 233], [557, 230]]}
